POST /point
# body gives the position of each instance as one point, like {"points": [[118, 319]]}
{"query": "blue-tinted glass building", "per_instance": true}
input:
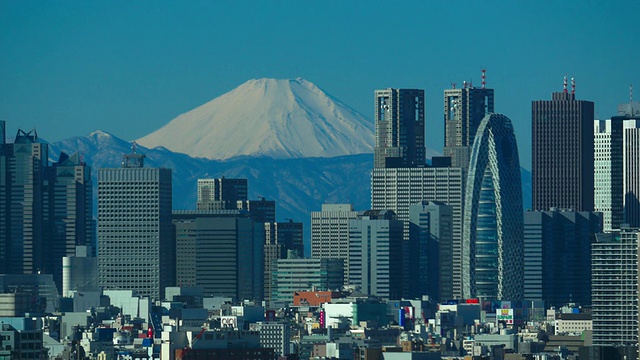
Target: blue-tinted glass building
{"points": [[492, 246]]}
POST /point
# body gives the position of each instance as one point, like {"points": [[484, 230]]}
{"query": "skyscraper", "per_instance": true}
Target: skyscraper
{"points": [[220, 250], [608, 172], [614, 271], [464, 109], [136, 249], [280, 238], [398, 189], [557, 255], [492, 247], [631, 167], [330, 233], [431, 236], [221, 193], [562, 152], [399, 123], [23, 222], [375, 254], [70, 206]]}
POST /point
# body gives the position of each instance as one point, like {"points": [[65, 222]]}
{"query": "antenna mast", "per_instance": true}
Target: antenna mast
{"points": [[484, 78]]}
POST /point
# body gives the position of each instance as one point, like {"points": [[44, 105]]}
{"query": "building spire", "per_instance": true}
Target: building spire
{"points": [[573, 85], [565, 85]]}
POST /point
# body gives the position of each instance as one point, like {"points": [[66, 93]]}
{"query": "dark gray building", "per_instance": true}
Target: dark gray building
{"points": [[221, 194], [399, 123], [136, 248], [431, 236], [70, 194], [221, 251], [464, 109], [23, 212], [562, 152], [557, 255]]}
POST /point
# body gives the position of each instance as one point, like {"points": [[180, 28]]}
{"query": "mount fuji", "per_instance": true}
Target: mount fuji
{"points": [[276, 118]]}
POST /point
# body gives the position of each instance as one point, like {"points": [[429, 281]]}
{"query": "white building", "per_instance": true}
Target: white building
{"points": [[607, 137]]}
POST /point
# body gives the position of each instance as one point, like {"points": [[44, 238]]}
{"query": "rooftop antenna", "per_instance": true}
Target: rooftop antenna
{"points": [[464, 84], [630, 93], [573, 85], [453, 85], [484, 78], [565, 85]]}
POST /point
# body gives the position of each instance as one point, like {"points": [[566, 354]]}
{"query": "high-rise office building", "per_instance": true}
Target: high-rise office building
{"points": [[221, 251], [375, 254], [136, 248], [45, 211], [399, 123], [431, 236], [562, 152], [608, 172], [614, 271], [398, 189], [221, 194], [280, 238], [631, 165], [464, 108], [23, 204], [492, 247], [330, 233], [557, 255], [262, 210], [70, 194]]}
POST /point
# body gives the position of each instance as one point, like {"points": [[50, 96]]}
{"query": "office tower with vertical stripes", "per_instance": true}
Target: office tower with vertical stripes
{"points": [[562, 152], [399, 124], [464, 109]]}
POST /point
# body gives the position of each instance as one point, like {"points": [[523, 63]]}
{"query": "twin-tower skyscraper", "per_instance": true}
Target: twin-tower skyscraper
{"points": [[478, 177]]}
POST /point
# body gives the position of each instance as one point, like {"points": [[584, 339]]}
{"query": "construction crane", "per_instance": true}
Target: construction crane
{"points": [[188, 347]]}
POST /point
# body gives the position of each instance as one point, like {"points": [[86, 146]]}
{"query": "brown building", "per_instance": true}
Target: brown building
{"points": [[562, 152]]}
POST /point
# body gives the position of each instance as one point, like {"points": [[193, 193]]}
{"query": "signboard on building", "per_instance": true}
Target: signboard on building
{"points": [[505, 315], [229, 321]]}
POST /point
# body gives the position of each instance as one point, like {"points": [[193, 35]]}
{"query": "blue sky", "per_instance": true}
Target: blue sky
{"points": [[71, 67]]}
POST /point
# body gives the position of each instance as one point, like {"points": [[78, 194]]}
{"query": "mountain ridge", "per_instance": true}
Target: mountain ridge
{"points": [[271, 117]]}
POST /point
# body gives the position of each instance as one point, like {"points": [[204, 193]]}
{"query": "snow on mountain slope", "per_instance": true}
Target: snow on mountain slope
{"points": [[268, 117]]}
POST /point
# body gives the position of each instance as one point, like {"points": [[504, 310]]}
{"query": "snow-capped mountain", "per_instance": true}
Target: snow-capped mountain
{"points": [[268, 117]]}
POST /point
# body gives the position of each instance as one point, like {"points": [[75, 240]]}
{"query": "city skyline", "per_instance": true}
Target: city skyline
{"points": [[142, 72]]}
